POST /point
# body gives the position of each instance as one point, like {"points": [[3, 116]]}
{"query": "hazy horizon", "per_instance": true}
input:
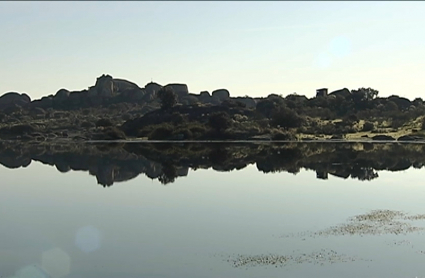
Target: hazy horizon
{"points": [[249, 48]]}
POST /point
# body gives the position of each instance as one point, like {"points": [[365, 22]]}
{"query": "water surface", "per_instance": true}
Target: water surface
{"points": [[208, 223]]}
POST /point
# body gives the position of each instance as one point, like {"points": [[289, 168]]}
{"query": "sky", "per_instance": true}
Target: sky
{"points": [[251, 48]]}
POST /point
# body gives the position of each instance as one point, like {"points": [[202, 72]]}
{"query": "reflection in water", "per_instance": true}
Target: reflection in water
{"points": [[88, 239], [55, 263], [112, 163]]}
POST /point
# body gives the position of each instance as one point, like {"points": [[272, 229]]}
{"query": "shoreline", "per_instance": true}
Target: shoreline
{"points": [[145, 141]]}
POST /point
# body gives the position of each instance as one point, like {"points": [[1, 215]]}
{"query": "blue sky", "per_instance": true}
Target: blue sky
{"points": [[250, 48]]}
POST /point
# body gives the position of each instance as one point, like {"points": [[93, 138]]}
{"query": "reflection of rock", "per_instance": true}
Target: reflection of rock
{"points": [[112, 163], [321, 175]]}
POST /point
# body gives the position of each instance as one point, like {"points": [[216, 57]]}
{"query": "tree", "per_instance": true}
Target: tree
{"points": [[363, 96], [219, 121], [167, 97], [286, 118]]}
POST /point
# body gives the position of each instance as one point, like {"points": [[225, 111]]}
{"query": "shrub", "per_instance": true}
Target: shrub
{"points": [[126, 117], [113, 133], [20, 129], [104, 123], [286, 118], [87, 124], [283, 136], [161, 133], [187, 134], [167, 97], [368, 126], [178, 118], [219, 121]]}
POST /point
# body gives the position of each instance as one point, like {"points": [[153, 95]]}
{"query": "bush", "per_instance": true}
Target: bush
{"points": [[368, 126], [87, 124], [19, 129], [178, 118], [283, 136], [187, 134], [126, 117], [397, 122], [286, 118], [104, 123], [161, 133], [219, 121], [167, 97]]}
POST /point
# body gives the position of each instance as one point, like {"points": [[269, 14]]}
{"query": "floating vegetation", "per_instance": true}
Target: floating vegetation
{"points": [[400, 243], [376, 222], [416, 217], [322, 257]]}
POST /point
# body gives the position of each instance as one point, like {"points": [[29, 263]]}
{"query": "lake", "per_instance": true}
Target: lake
{"points": [[242, 210]]}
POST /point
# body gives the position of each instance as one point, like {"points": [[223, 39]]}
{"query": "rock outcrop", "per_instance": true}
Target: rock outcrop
{"points": [[221, 94], [342, 93], [181, 90], [12, 99], [151, 89]]}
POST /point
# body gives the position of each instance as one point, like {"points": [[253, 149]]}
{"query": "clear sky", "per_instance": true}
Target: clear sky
{"points": [[250, 48]]}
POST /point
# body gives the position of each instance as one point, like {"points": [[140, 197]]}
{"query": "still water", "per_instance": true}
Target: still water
{"points": [[207, 223]]}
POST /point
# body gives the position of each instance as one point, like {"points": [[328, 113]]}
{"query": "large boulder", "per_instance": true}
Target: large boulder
{"points": [[60, 97], [248, 101], [128, 91], [121, 85], [104, 86], [205, 97], [44, 102], [76, 99], [14, 99], [342, 93], [151, 89], [180, 90], [221, 94]]}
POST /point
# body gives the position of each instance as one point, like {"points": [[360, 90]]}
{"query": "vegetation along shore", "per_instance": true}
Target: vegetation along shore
{"points": [[117, 109]]}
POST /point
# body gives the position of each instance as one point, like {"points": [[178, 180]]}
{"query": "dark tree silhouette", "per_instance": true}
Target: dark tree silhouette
{"points": [[169, 173], [219, 121], [363, 96], [286, 118], [167, 97]]}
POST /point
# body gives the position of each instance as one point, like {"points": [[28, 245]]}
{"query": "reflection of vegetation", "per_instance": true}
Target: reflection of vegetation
{"points": [[119, 162], [169, 174]]}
